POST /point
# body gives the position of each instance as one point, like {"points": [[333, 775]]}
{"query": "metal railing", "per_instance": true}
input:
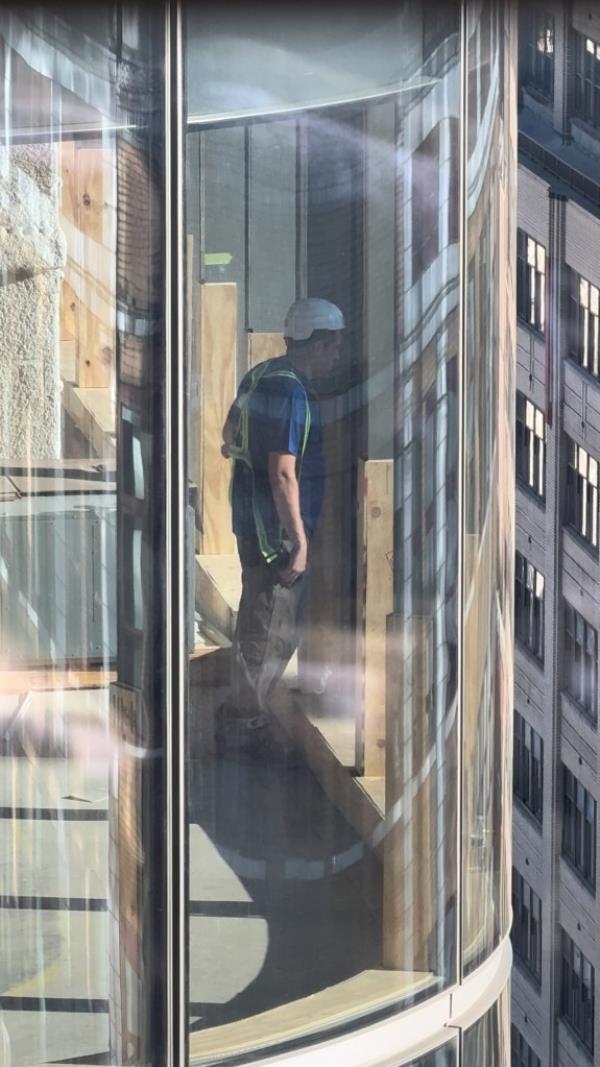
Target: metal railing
{"points": [[560, 169]]}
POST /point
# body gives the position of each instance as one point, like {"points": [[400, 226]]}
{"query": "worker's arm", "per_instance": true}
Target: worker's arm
{"points": [[286, 494]]}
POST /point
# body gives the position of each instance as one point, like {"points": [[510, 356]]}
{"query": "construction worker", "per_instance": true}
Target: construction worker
{"points": [[273, 435]]}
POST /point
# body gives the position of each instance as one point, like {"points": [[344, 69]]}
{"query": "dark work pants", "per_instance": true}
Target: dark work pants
{"points": [[266, 635]]}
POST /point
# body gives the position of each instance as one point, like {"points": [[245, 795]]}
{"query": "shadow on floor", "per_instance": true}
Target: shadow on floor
{"points": [[305, 871]]}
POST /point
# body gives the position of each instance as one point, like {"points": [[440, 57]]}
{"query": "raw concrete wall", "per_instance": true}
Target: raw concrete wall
{"points": [[32, 254]]}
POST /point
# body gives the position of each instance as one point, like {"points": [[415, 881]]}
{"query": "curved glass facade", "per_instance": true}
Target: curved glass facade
{"points": [[488, 1040], [256, 531], [488, 516]]}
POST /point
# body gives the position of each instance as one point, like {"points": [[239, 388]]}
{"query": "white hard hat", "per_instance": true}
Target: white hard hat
{"points": [[311, 314]]}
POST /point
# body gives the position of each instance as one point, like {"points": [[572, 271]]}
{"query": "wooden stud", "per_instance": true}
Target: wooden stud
{"points": [[217, 330], [409, 891], [375, 593]]}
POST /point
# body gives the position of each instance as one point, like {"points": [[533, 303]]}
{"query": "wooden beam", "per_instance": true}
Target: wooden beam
{"points": [[25, 681], [217, 330], [375, 602]]}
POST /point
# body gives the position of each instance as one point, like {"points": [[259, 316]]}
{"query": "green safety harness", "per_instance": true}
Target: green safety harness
{"points": [[240, 449]]}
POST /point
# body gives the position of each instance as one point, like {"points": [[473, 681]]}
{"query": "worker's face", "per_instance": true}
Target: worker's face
{"points": [[327, 353]]}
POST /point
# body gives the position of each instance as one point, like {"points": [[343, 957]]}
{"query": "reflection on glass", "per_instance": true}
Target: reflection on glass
{"points": [[323, 324], [488, 1040], [75, 919], [488, 522], [442, 1057]]}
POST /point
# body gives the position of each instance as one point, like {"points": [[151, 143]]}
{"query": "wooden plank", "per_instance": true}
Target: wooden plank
{"points": [[25, 681], [327, 653], [87, 313], [211, 604], [8, 489], [410, 909], [93, 191], [94, 351], [368, 991], [263, 346], [93, 412], [217, 329], [226, 573], [40, 484], [375, 593]]}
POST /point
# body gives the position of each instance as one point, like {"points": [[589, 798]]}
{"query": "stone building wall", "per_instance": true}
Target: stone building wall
{"points": [[32, 256]]}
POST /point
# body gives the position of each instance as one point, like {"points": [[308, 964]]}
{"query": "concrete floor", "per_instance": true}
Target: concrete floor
{"points": [[271, 919], [307, 926]]}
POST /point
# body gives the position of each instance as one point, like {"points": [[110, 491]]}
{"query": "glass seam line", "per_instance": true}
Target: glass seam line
{"points": [[175, 525], [463, 103]]}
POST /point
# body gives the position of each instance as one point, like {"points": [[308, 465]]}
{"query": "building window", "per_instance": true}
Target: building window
{"points": [[527, 926], [528, 766], [581, 661], [521, 1055], [531, 281], [539, 71], [529, 607], [584, 333], [531, 445], [587, 79], [579, 827], [577, 991], [426, 202], [582, 493]]}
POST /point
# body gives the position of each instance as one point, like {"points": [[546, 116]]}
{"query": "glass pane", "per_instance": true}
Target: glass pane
{"points": [[442, 1057], [322, 240], [290, 61], [488, 1040], [81, 615], [487, 659]]}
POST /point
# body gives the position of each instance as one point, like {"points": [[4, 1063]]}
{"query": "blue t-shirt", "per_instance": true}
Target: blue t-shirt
{"points": [[276, 423]]}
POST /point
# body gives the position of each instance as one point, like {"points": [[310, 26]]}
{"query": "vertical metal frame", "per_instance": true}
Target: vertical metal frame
{"points": [[176, 637], [462, 320]]}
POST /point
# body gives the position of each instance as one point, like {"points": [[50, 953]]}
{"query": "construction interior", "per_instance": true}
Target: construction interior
{"points": [[275, 209]]}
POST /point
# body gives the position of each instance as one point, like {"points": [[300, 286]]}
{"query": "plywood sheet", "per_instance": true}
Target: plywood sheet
{"points": [[263, 346], [217, 329]]}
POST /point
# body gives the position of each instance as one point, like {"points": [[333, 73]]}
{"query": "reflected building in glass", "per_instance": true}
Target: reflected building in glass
{"points": [[257, 534]]}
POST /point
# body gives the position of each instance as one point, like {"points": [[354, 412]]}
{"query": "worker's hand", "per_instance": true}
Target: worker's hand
{"points": [[296, 565], [226, 450]]}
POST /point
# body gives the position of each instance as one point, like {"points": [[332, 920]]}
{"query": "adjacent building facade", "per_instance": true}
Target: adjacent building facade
{"points": [[557, 578]]}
